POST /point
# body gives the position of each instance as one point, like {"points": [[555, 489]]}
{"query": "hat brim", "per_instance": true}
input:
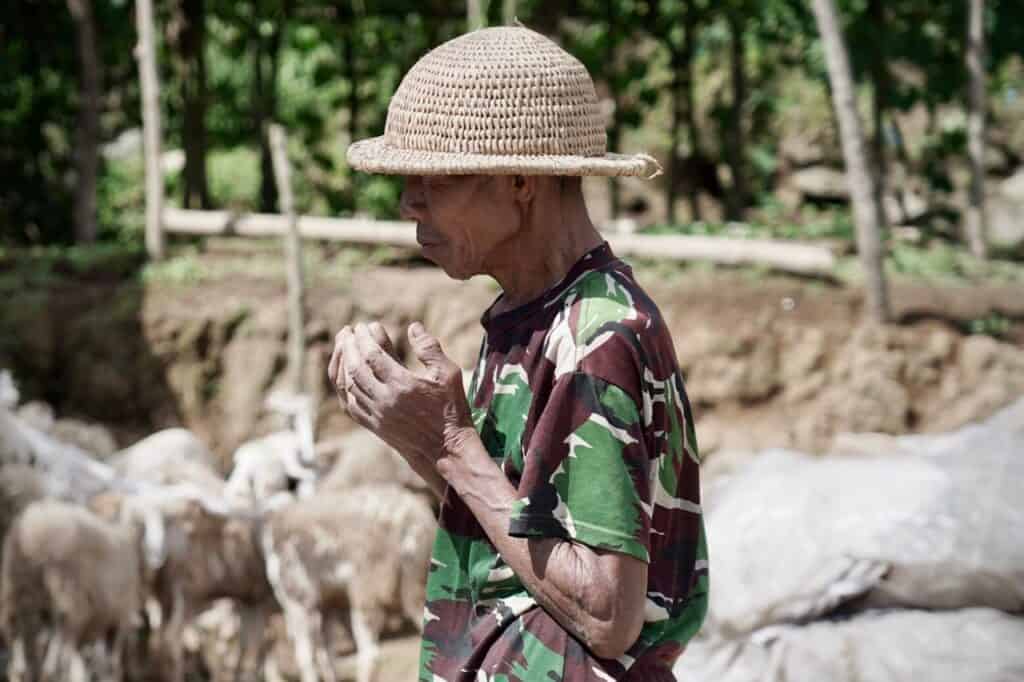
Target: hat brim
{"points": [[375, 155]]}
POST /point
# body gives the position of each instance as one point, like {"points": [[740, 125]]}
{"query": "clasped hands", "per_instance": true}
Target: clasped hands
{"points": [[423, 415]]}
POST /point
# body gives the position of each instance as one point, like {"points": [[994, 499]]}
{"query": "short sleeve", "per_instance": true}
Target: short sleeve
{"points": [[585, 471]]}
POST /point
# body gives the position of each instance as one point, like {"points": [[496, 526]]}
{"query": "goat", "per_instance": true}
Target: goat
{"points": [[367, 550], [64, 565]]}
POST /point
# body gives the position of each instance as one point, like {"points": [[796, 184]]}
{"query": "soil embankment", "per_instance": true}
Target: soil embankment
{"points": [[770, 361]]}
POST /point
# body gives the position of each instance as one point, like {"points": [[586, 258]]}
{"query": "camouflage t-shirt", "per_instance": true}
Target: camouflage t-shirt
{"points": [[578, 396]]}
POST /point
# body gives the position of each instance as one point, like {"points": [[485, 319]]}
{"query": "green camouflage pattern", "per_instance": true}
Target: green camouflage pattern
{"points": [[579, 398]]}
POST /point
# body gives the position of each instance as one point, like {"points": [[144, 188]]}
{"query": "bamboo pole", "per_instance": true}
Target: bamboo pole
{"points": [[796, 257], [293, 256], [145, 53]]}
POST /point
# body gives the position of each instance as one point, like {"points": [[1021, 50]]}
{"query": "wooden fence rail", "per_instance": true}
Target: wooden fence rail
{"points": [[801, 258]]}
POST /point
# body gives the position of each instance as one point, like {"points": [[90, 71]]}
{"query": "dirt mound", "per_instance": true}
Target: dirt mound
{"points": [[786, 358]]}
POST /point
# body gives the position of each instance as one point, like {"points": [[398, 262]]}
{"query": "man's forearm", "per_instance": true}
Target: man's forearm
{"points": [[567, 579], [428, 472]]}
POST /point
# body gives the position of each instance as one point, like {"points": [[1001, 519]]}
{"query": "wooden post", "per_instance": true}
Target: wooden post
{"points": [[293, 256], [145, 53]]}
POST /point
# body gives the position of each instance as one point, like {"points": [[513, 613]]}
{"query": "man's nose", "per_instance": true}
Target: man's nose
{"points": [[411, 205]]}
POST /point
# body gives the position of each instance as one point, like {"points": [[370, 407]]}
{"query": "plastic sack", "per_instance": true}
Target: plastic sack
{"points": [[792, 536], [979, 645]]}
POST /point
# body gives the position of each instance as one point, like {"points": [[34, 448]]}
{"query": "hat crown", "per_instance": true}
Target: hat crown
{"points": [[498, 91]]}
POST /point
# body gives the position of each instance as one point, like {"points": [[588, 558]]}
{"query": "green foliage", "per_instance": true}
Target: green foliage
{"points": [[235, 178], [993, 324], [326, 72]]}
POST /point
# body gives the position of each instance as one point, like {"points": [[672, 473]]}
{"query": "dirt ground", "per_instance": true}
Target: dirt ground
{"points": [[788, 357]]}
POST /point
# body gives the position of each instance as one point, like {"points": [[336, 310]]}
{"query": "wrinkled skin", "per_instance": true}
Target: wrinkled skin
{"points": [[526, 232]]}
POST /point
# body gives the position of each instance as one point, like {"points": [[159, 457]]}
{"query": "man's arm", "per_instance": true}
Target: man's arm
{"points": [[598, 596], [426, 470]]}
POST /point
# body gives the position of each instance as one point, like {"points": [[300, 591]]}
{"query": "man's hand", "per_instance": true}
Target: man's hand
{"points": [[422, 415]]}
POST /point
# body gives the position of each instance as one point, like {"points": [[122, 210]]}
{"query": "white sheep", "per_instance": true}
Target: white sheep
{"points": [[367, 550], [269, 469], [268, 466], [170, 457], [65, 566]]}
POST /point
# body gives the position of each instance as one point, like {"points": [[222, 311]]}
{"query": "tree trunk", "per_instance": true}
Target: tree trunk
{"points": [[690, 109], [976, 219], [476, 14], [353, 79], [858, 169], [278, 144], [192, 44], [879, 102], [145, 52], [735, 140], [508, 12], [676, 96], [87, 138], [267, 54]]}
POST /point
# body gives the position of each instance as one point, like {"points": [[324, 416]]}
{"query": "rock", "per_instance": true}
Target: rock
{"points": [[803, 351], [1005, 208], [801, 150], [872, 401], [172, 161], [821, 182], [127, 145], [733, 365], [1005, 222], [978, 354]]}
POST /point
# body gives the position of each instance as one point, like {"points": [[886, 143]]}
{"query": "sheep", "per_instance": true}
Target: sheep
{"points": [[95, 439], [213, 553], [364, 459], [367, 549], [64, 565], [170, 457], [266, 467]]}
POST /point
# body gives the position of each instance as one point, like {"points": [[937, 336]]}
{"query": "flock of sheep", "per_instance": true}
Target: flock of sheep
{"points": [[110, 567]]}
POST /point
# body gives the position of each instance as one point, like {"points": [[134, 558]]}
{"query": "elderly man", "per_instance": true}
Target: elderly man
{"points": [[571, 542]]}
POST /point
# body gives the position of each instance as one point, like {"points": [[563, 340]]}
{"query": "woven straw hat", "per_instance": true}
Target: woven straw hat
{"points": [[498, 101]]}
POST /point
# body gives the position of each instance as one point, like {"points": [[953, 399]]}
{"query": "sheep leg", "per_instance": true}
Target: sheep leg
{"points": [[77, 671], [173, 636], [18, 669], [251, 630], [323, 648], [117, 653], [366, 626], [54, 654], [301, 633]]}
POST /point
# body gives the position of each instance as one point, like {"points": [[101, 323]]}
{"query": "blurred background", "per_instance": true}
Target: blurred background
{"points": [[853, 169]]}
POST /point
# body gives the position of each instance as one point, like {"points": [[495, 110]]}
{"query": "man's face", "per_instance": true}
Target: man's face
{"points": [[461, 220]]}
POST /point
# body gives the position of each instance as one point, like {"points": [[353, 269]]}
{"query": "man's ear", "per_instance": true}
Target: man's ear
{"points": [[524, 187]]}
